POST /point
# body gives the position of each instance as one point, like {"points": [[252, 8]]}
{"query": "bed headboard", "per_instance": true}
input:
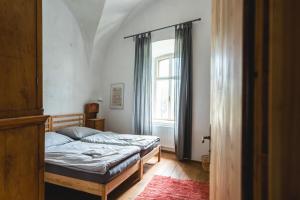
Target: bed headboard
{"points": [[62, 121]]}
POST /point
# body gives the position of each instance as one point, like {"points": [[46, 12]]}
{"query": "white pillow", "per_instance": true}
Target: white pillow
{"points": [[77, 132], [55, 139]]}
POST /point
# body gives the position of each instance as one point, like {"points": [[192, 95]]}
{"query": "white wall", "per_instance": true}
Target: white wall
{"points": [[69, 81], [119, 63]]}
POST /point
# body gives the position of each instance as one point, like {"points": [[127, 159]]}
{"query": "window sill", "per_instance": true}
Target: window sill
{"points": [[163, 123]]}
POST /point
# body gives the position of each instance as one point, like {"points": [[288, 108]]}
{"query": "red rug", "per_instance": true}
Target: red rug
{"points": [[166, 188]]}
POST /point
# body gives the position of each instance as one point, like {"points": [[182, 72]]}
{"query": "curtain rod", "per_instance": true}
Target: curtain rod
{"points": [[130, 36]]}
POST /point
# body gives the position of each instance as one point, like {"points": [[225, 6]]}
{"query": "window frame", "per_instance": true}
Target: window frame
{"points": [[171, 77]]}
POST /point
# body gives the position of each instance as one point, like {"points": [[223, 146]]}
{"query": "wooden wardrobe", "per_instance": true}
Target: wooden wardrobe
{"points": [[21, 107]]}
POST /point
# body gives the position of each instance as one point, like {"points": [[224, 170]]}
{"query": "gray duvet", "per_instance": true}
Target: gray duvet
{"points": [[142, 141], [88, 157]]}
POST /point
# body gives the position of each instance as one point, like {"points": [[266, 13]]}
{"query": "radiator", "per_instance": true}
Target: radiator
{"points": [[166, 135]]}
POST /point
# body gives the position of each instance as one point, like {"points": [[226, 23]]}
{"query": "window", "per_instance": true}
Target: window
{"points": [[164, 88]]}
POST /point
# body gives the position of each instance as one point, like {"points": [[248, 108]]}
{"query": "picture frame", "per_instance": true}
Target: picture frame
{"points": [[117, 96]]}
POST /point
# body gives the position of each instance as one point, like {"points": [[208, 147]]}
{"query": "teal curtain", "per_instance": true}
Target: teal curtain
{"points": [[183, 91], [143, 85]]}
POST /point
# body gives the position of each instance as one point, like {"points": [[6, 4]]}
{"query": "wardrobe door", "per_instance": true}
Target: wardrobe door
{"points": [[21, 111], [2, 162], [20, 58], [22, 158]]}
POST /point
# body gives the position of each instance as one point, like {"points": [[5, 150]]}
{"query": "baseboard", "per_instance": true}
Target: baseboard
{"points": [[168, 149], [171, 150], [196, 161]]}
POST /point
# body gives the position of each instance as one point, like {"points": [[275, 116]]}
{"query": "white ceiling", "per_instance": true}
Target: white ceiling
{"points": [[87, 14], [100, 19]]}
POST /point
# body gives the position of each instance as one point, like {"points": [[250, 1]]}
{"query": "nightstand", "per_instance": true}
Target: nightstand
{"points": [[98, 123]]}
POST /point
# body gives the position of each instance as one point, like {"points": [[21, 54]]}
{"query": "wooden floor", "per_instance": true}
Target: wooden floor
{"points": [[168, 166]]}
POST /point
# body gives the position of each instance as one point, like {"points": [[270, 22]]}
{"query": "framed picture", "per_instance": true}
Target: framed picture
{"points": [[117, 96]]}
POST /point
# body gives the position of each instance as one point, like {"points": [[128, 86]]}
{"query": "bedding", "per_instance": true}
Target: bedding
{"points": [[92, 176], [54, 139], [77, 132], [144, 142], [88, 157], [149, 149]]}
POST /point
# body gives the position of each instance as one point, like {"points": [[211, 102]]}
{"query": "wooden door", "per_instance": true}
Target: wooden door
{"points": [[226, 99], [284, 100], [277, 94], [271, 48]]}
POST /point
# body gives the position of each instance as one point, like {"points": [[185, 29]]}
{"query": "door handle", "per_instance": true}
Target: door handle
{"points": [[205, 138]]}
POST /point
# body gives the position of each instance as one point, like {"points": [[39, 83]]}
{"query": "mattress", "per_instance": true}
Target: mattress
{"points": [[150, 148], [144, 142], [92, 176], [88, 157]]}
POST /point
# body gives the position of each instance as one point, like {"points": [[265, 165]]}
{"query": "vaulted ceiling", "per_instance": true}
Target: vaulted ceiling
{"points": [[99, 19], [87, 14]]}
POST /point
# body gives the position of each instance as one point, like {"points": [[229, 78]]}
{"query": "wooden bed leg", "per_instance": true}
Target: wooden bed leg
{"points": [[159, 154], [104, 194], [104, 197], [141, 171]]}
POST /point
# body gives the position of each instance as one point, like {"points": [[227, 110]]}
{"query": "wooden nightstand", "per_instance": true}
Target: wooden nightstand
{"points": [[98, 123]]}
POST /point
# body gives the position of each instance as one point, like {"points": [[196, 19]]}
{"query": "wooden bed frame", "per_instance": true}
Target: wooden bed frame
{"points": [[62, 121]]}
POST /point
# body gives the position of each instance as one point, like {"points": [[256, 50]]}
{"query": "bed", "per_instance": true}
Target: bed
{"points": [[93, 179], [149, 145]]}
